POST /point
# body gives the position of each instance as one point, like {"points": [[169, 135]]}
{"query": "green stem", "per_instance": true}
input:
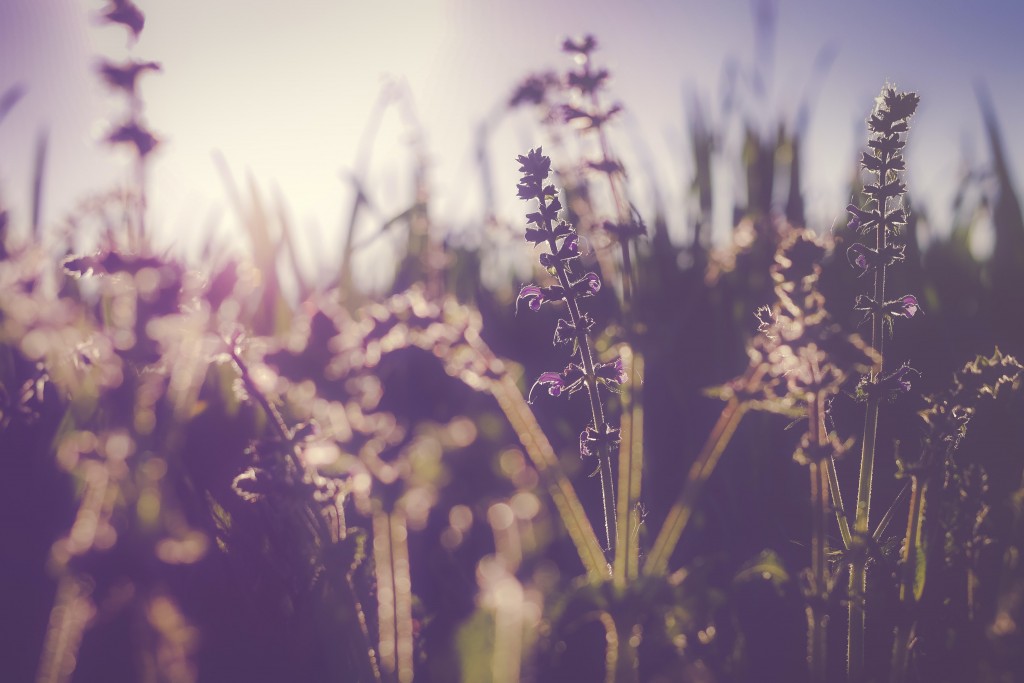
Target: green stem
{"points": [[858, 572], [816, 616], [837, 503], [909, 587], [817, 640]]}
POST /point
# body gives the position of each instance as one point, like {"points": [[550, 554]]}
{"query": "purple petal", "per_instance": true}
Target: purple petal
{"points": [[910, 305], [554, 382], [533, 295]]}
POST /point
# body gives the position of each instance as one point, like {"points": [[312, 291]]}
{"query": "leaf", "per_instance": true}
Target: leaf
{"points": [[920, 567]]}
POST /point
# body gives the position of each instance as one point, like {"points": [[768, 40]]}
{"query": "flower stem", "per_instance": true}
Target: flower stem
{"points": [[858, 571], [631, 459], [908, 579]]}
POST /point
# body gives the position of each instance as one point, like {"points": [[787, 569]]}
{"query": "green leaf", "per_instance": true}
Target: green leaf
{"points": [[920, 567]]}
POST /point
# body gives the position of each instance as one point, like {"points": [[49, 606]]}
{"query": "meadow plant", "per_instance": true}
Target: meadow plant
{"points": [[584, 372], [882, 216], [586, 110], [807, 359], [955, 524]]}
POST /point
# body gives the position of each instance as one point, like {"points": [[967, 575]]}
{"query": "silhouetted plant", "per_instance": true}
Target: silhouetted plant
{"points": [[883, 215], [953, 528], [585, 372]]}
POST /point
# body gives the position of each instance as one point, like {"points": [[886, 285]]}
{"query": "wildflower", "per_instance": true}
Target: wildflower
{"points": [[584, 372], [568, 381], [888, 386], [533, 90], [569, 249], [566, 331], [134, 134], [610, 373], [536, 296], [906, 306], [909, 305], [124, 76], [583, 46], [589, 81], [588, 285], [591, 441], [867, 259], [542, 235], [125, 12], [534, 166]]}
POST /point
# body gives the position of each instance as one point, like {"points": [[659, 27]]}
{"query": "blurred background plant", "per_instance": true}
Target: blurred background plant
{"points": [[234, 466]]}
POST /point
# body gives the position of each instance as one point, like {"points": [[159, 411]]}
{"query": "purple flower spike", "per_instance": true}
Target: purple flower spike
{"points": [[900, 379], [535, 164], [588, 285], [910, 306]]}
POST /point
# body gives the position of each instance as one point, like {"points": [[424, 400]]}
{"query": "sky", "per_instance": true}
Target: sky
{"points": [[285, 92]]}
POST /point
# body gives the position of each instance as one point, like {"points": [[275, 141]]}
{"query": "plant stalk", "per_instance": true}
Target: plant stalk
{"points": [[908, 582], [817, 635], [590, 382], [858, 570], [627, 551]]}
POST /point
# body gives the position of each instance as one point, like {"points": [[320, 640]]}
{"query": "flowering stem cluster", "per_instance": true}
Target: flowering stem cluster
{"points": [[583, 372], [884, 214], [946, 419], [133, 132], [588, 82], [805, 359]]}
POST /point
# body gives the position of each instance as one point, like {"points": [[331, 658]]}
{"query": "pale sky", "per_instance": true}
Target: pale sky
{"points": [[285, 92]]}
